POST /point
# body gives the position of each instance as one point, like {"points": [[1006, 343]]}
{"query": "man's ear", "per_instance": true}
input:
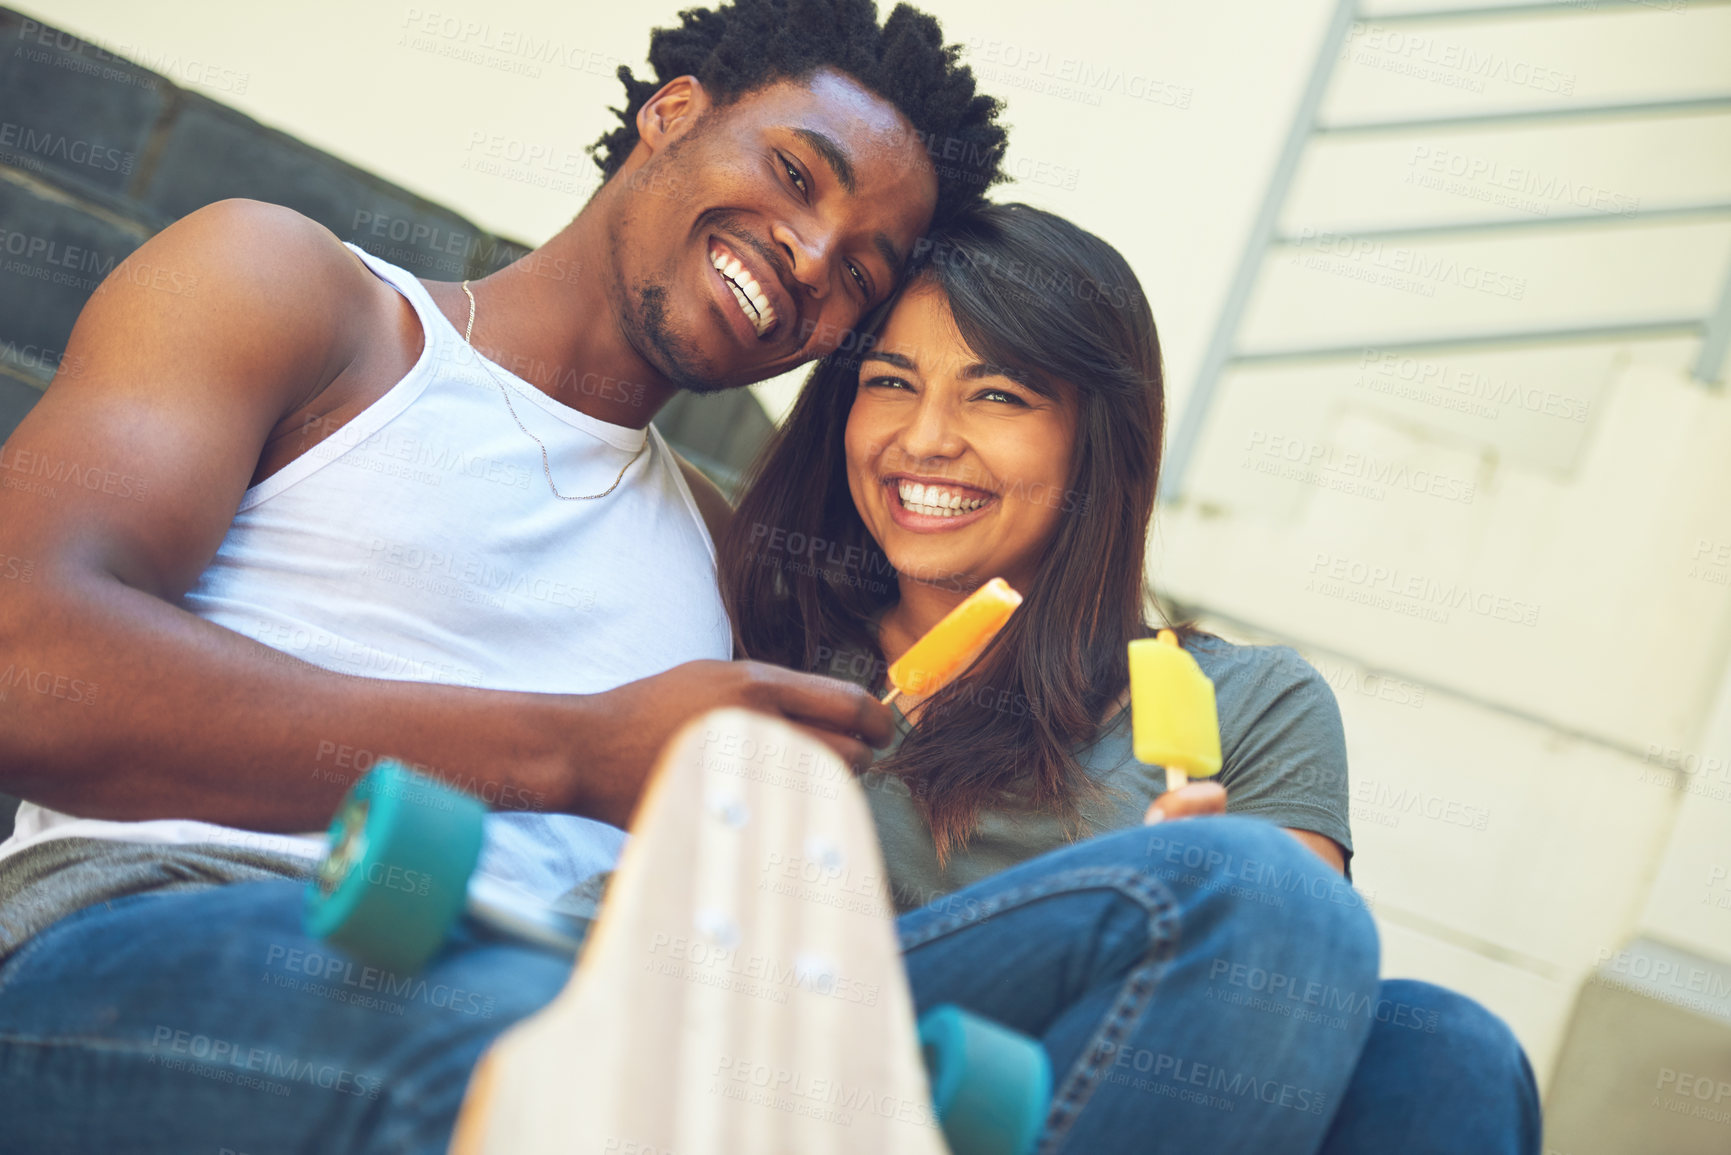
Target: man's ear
{"points": [[670, 113]]}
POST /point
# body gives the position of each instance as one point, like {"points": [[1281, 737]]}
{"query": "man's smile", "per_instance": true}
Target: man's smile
{"points": [[753, 290]]}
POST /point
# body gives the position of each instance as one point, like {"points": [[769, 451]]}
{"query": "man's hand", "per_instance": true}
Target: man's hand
{"points": [[607, 774]]}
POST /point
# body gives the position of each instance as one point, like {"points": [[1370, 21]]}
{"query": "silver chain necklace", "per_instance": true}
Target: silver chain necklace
{"points": [[546, 467]]}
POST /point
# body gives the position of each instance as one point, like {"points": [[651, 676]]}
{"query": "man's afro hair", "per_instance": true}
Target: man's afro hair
{"points": [[735, 49]]}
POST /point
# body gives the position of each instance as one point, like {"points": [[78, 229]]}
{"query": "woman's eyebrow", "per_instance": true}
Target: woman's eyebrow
{"points": [[896, 359], [1026, 380]]}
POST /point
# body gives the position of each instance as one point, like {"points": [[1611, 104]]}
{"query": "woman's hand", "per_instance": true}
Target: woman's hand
{"points": [[1200, 798], [1190, 801]]}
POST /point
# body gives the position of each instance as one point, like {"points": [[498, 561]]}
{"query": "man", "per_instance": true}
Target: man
{"points": [[374, 516]]}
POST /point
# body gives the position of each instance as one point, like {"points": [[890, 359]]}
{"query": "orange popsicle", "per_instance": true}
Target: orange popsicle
{"points": [[1172, 710], [949, 646]]}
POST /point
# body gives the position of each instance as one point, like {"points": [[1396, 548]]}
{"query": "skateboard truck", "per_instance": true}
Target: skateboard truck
{"points": [[400, 874]]}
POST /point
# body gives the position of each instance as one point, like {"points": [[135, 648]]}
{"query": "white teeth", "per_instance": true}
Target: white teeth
{"points": [[933, 501], [753, 301]]}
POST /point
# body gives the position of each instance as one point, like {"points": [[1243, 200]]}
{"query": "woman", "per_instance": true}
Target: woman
{"points": [[1005, 421]]}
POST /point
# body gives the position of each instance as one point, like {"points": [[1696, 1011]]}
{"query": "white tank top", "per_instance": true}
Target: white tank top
{"points": [[420, 542]]}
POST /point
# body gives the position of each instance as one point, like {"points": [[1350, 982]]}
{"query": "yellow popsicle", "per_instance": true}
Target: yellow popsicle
{"points": [[935, 659], [1172, 710]]}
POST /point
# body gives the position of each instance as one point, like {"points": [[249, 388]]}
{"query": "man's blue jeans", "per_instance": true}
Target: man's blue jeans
{"points": [[1204, 985]]}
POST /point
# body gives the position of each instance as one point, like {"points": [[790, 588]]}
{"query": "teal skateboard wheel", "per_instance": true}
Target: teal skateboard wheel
{"points": [[396, 877], [991, 1086]]}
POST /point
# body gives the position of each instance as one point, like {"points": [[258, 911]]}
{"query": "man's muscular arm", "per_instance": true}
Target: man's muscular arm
{"points": [[179, 393]]}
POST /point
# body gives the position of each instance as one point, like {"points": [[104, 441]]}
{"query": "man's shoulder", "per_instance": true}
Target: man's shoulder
{"points": [[258, 295], [240, 227], [234, 245]]}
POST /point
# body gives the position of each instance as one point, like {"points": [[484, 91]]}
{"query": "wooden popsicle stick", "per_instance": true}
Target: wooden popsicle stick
{"points": [[1176, 779], [895, 691]]}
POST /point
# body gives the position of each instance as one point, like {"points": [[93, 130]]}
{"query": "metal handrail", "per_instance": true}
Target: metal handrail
{"points": [[1183, 445], [1498, 224], [1716, 341], [1711, 102], [1498, 11], [1635, 329], [1714, 329]]}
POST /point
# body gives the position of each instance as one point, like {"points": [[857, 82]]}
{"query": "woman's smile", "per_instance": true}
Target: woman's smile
{"points": [[933, 505]]}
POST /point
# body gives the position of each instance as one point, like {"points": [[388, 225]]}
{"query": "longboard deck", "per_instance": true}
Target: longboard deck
{"points": [[742, 992]]}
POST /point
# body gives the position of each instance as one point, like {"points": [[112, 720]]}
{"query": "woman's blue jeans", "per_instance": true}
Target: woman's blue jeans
{"points": [[1204, 985]]}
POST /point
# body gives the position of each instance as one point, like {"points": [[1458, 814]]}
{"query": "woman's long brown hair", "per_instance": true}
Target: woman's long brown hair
{"points": [[804, 580]]}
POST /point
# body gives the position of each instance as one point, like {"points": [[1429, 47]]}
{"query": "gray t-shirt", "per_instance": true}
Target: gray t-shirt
{"points": [[1283, 758]]}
